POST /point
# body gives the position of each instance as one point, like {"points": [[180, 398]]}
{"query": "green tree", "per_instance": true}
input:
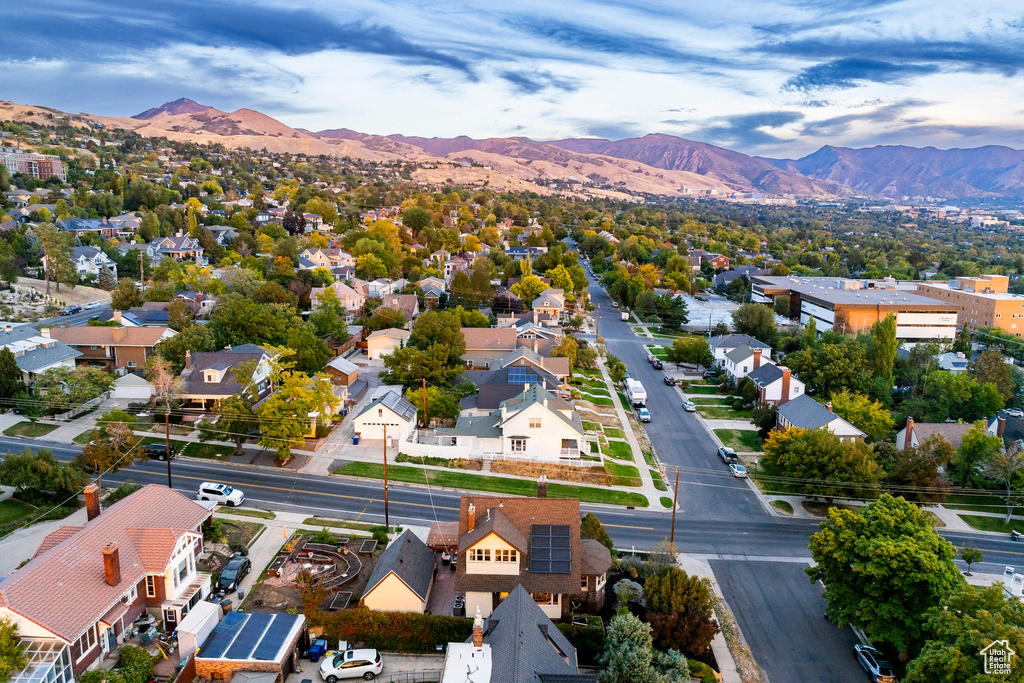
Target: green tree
{"points": [[63, 388], [311, 353], [628, 656], [285, 415], [11, 383], [591, 527], [970, 555], [831, 468], [12, 650], [125, 295], [567, 347], [234, 419], [440, 403], [921, 470], [1006, 466], [410, 366], [40, 471], [193, 339], [179, 315], [883, 568], [869, 416], [106, 279], [963, 342], [883, 336], [529, 288], [831, 365], [680, 609], [757, 320], [991, 368], [238, 320], [56, 247], [384, 318], [417, 219], [690, 351], [977, 447], [106, 454]]}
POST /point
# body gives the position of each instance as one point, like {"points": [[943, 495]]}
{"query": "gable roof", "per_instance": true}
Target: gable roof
{"points": [[729, 341], [497, 523], [194, 377], [394, 402], [411, 561], [953, 432], [63, 588], [766, 374], [739, 354], [392, 332], [343, 365], [489, 338], [806, 413]]}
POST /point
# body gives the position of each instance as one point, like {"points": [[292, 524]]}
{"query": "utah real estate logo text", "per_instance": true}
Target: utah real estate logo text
{"points": [[997, 656]]}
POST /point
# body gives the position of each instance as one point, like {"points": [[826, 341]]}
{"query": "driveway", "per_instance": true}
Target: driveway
{"points": [[781, 614]]}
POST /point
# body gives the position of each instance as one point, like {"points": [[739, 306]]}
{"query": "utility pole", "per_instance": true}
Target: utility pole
{"points": [[142, 273], [597, 321], [387, 523], [675, 497], [167, 434], [424, 402]]}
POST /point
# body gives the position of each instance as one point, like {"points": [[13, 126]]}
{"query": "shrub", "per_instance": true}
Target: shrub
{"points": [[323, 536], [391, 631], [709, 678], [215, 531], [121, 492], [588, 640], [700, 670], [380, 534], [738, 404], [239, 547]]}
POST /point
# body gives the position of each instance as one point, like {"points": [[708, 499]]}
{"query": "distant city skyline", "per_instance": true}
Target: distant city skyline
{"points": [[776, 78]]}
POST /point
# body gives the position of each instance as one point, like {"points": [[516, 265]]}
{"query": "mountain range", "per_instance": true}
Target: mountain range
{"points": [[656, 164]]}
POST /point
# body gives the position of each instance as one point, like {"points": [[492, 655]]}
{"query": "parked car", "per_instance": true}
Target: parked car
{"points": [[1014, 412], [670, 380], [365, 664], [738, 470], [158, 450], [615, 304], [658, 365], [220, 493], [71, 310], [233, 574], [689, 406], [874, 662], [643, 415], [727, 454], [91, 305], [18, 410], [708, 374]]}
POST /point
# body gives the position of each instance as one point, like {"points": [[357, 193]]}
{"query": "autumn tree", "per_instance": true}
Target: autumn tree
{"points": [[869, 416], [285, 416], [233, 419], [883, 568], [567, 347], [680, 609]]}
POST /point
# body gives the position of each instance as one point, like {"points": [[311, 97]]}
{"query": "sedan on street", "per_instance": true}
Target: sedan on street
{"points": [[874, 662], [738, 471]]}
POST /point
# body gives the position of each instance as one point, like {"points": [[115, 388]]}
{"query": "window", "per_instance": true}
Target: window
{"points": [[131, 364], [129, 597], [583, 583], [86, 642], [150, 586], [545, 598], [480, 555], [505, 556], [182, 572], [534, 423], [518, 445]]}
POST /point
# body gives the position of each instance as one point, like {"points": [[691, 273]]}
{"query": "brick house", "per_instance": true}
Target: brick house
{"points": [[112, 348], [85, 585]]}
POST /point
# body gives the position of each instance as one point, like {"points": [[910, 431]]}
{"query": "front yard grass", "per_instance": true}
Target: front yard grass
{"points": [[741, 440], [623, 475], [594, 383], [209, 451], [614, 433], [982, 523], [619, 450], [83, 438], [978, 502], [11, 509], [724, 413], [598, 400], [30, 429], [261, 514], [705, 401], [702, 390], [658, 482], [625, 401], [591, 426]]}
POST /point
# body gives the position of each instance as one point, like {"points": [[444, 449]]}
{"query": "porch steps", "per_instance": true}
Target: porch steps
{"points": [[486, 465]]}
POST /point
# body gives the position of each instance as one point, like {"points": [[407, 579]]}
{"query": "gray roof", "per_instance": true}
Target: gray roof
{"points": [[495, 522], [39, 358], [195, 379], [766, 374], [525, 644], [396, 402], [806, 413], [729, 341], [410, 559], [483, 426], [87, 252], [740, 354], [832, 290]]}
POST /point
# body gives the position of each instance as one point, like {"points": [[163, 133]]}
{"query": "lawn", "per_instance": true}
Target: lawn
{"points": [[706, 389], [595, 391], [658, 351], [598, 401], [261, 514], [614, 433], [705, 401], [993, 523], [658, 483], [30, 429], [476, 482], [978, 502], [83, 438], [724, 413], [625, 401], [783, 506], [619, 450], [208, 451], [595, 383], [623, 475], [591, 426], [11, 509], [741, 440], [648, 456], [819, 509], [666, 501]]}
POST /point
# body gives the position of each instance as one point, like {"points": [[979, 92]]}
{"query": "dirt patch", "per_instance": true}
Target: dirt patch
{"points": [[583, 475], [79, 295], [603, 418]]}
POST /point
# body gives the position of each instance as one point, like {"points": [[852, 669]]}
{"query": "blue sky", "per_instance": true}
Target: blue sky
{"points": [[777, 78]]}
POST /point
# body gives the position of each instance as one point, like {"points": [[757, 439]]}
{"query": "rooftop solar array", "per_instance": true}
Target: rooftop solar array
{"points": [[256, 635], [549, 549], [522, 376], [398, 403]]}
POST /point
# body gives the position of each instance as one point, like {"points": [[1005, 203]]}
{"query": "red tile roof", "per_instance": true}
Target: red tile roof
{"points": [[57, 537], [63, 588]]}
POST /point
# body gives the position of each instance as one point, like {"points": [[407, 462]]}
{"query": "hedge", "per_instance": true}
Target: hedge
{"points": [[588, 641], [700, 669], [392, 631]]}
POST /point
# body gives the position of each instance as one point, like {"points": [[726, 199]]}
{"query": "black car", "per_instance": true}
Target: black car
{"points": [[233, 574], [71, 310], [158, 450], [874, 662], [670, 381]]}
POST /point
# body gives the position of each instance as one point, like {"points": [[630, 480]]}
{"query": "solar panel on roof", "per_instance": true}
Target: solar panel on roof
{"points": [[249, 636], [274, 636], [522, 376], [222, 635], [549, 549]]}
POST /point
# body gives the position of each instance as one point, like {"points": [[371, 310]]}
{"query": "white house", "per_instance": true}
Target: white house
{"points": [[724, 343], [803, 412], [383, 342], [92, 261], [775, 385], [392, 412], [743, 360]]}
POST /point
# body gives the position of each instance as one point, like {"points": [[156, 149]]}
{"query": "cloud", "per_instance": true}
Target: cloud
{"points": [[849, 72], [533, 82], [747, 130], [837, 126]]}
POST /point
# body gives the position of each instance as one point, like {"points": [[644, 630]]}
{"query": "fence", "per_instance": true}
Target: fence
{"points": [[429, 676], [82, 408]]}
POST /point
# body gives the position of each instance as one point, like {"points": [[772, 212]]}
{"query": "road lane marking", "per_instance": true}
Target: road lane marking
{"points": [[623, 526]]}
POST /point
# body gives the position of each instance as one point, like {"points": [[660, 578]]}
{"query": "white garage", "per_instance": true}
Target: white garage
{"points": [[390, 410], [133, 387]]}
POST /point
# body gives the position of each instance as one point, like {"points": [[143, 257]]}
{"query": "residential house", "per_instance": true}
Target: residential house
{"points": [[724, 343], [505, 302], [222, 233], [612, 239], [115, 349], [432, 296], [742, 360], [77, 597], [251, 647], [913, 433], [952, 361], [775, 385], [432, 281], [517, 644], [382, 287], [329, 258], [209, 376], [532, 543], [200, 303], [717, 260], [526, 356], [150, 314], [382, 342], [181, 248], [533, 317], [95, 226], [132, 386], [408, 304], [34, 351], [90, 261], [722, 280], [803, 412], [402, 577], [314, 221], [350, 299], [342, 372], [485, 346], [536, 425], [496, 386], [550, 302], [389, 415]]}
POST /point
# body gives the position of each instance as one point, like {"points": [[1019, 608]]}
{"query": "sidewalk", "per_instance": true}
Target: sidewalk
{"points": [[695, 566]]}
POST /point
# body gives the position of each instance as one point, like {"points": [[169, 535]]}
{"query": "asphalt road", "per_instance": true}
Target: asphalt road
{"points": [[781, 614], [76, 319]]}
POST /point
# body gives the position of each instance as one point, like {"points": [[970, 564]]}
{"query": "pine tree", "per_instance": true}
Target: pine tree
{"points": [[963, 341], [10, 376]]}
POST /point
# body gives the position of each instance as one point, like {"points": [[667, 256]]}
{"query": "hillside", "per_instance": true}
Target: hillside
{"points": [[182, 105]]}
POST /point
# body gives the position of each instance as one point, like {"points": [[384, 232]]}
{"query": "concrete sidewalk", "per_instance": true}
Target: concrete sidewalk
{"points": [[696, 566]]}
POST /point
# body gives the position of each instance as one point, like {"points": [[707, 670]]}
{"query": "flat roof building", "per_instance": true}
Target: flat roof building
{"points": [[982, 301]]}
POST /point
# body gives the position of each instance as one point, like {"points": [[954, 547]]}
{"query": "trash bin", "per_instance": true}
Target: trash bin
{"points": [[344, 411], [355, 439]]}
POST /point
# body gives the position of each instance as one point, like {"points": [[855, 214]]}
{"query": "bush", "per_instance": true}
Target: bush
{"points": [[709, 678], [121, 492], [323, 536], [239, 547], [738, 404], [380, 534], [214, 531], [391, 631], [700, 670], [588, 641]]}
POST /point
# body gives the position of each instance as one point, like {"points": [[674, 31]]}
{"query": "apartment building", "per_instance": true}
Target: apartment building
{"points": [[853, 306], [39, 166], [982, 301]]}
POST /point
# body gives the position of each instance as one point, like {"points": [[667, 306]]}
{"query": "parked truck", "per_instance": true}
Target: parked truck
{"points": [[624, 317], [635, 393]]}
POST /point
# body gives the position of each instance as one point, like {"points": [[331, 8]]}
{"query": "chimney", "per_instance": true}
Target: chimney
{"points": [[92, 501], [111, 565], [117, 317], [535, 345], [120, 333], [45, 332], [829, 406], [188, 359], [908, 438], [471, 513], [757, 358], [1000, 426], [536, 316], [542, 486], [786, 378], [8, 328], [478, 630]]}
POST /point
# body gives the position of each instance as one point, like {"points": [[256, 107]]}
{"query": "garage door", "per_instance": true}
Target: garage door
{"points": [[131, 393]]}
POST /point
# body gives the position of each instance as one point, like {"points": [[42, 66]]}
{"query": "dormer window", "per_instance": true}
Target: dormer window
{"points": [[212, 377]]}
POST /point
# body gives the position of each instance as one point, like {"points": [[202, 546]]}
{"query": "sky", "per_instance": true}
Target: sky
{"points": [[774, 78]]}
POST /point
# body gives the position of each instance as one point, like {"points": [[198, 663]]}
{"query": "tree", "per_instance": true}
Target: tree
{"points": [[57, 261], [963, 342], [384, 318], [40, 471], [882, 569], [11, 382], [440, 403], [179, 315], [757, 320], [234, 419], [567, 347], [529, 288], [628, 657], [106, 279], [591, 527], [883, 336], [991, 368], [63, 388], [106, 454], [629, 592], [869, 416], [690, 351], [192, 339], [12, 650], [955, 633], [921, 470], [416, 219], [1007, 465], [285, 415], [311, 353], [764, 417], [680, 609], [167, 389], [831, 365], [438, 327], [125, 295], [830, 467], [410, 366], [969, 554], [977, 447]]}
